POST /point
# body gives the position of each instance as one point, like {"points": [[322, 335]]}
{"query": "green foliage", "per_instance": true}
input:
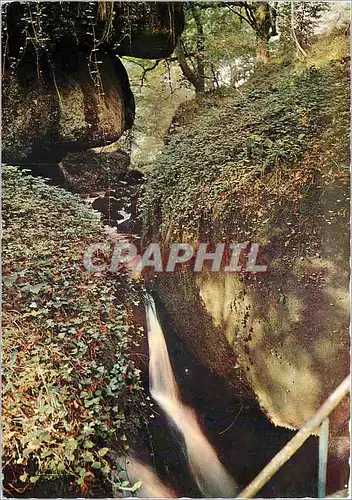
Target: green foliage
{"points": [[227, 35], [69, 385], [332, 47], [229, 44], [242, 154], [158, 93], [306, 18], [159, 86]]}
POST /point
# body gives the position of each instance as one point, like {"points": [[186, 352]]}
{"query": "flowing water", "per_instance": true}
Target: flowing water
{"points": [[151, 486], [210, 475]]}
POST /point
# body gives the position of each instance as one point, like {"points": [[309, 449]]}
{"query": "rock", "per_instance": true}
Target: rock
{"points": [[109, 207], [280, 339], [134, 177], [154, 31], [146, 30], [287, 356], [118, 203], [66, 90], [95, 169], [44, 118]]}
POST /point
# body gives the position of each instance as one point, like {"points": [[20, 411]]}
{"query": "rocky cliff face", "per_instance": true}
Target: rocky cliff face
{"points": [[239, 172], [64, 87]]}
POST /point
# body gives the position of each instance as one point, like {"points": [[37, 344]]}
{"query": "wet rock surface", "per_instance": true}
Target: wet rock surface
{"points": [[243, 437], [119, 205], [95, 170]]}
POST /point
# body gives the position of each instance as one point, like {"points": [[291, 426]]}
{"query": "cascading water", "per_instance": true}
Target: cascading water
{"points": [[212, 478], [151, 486]]}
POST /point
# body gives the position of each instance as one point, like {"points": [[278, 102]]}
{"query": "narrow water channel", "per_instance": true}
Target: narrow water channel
{"points": [[209, 473]]}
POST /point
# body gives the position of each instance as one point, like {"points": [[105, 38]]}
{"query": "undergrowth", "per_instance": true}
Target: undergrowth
{"points": [[70, 390], [242, 158]]}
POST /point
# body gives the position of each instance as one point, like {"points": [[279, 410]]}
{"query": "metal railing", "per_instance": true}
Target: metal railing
{"points": [[321, 418]]}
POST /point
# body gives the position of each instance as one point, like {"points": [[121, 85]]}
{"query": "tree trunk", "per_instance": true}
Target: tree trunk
{"points": [[192, 76], [200, 45], [299, 49], [263, 55], [264, 23]]}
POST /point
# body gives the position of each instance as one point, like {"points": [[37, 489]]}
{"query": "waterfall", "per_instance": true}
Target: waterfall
{"points": [[151, 486], [212, 478]]}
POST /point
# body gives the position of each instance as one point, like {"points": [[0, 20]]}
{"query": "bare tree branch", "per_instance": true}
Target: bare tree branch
{"points": [[293, 32], [146, 70], [240, 16]]}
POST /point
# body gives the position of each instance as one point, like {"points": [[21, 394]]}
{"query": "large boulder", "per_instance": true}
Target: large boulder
{"points": [[139, 29], [151, 30], [44, 118], [97, 169], [64, 87], [269, 166]]}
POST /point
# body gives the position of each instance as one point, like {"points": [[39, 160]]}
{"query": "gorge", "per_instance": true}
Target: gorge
{"points": [[183, 383]]}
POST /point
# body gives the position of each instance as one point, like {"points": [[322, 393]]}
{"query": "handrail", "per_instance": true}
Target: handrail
{"points": [[323, 457], [296, 442]]}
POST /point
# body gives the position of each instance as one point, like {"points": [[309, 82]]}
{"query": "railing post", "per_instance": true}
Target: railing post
{"points": [[323, 457], [296, 442]]}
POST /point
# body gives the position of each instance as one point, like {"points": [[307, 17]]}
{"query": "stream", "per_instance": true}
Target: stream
{"points": [[206, 441], [210, 475]]}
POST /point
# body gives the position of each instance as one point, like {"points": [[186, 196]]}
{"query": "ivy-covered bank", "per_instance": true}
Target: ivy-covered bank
{"points": [[237, 158], [266, 163], [70, 389]]}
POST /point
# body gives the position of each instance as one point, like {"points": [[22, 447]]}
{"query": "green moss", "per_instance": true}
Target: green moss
{"points": [[245, 157]]}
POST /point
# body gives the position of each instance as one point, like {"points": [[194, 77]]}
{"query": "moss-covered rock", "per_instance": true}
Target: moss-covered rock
{"points": [[95, 169], [267, 163], [64, 88], [43, 119]]}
